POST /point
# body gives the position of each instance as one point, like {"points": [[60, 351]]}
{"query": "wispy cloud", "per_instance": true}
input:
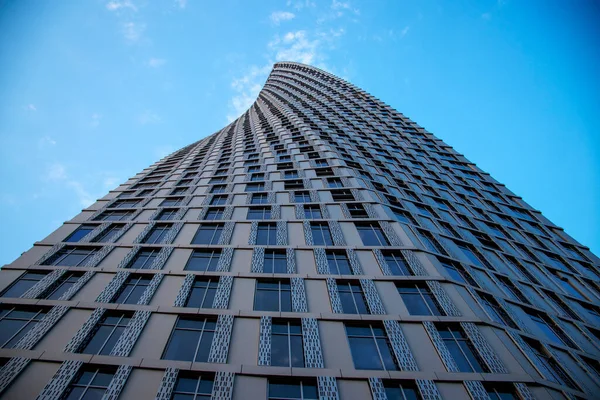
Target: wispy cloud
{"points": [[294, 46], [31, 107], [404, 31], [45, 142], [156, 62], [341, 6], [95, 120], [56, 172], [300, 4], [181, 3], [247, 88], [149, 117], [120, 5], [132, 31], [278, 16]]}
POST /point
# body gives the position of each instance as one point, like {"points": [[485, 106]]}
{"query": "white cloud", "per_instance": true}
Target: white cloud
{"points": [[156, 62], [56, 172], [341, 7], [181, 3], [300, 4], [132, 31], [295, 46], [120, 5], [95, 121], [278, 16], [149, 117], [45, 142], [247, 89]]}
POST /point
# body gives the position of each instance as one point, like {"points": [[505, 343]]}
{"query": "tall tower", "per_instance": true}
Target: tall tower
{"points": [[321, 246]]}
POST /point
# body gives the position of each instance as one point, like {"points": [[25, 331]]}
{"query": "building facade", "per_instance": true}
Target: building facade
{"points": [[321, 246]]}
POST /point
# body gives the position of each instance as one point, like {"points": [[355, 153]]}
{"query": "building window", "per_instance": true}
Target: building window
{"points": [[174, 201], [494, 310], [106, 333], [114, 216], [202, 293], [218, 200], [551, 331], [23, 284], [275, 262], [259, 213], [79, 233], [455, 272], [259, 198], [357, 210], [71, 256], [203, 260], [286, 344], [208, 234], [418, 299], [15, 322], [461, 348], [157, 234], [273, 296], [257, 177], [302, 197], [191, 386], [108, 234], [266, 234], [191, 339], [167, 214], [333, 182], [370, 347], [401, 390], [550, 364], [470, 255], [312, 212], [352, 298], [133, 289], [306, 389], [321, 234], [143, 259], [290, 174], [214, 214], [218, 189], [372, 235], [61, 286], [293, 185], [342, 195], [124, 204], [338, 263], [500, 391], [253, 168], [396, 263], [254, 187], [90, 383]]}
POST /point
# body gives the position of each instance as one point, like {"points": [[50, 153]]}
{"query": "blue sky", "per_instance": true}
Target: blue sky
{"points": [[92, 92]]}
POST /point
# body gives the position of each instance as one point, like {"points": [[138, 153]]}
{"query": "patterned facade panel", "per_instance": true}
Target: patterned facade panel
{"points": [[224, 263], [282, 233], [440, 346], [161, 258], [299, 211], [173, 232], [60, 381], [253, 233], [313, 356], [49, 253], [228, 212], [484, 349], [124, 263], [95, 232], [223, 386], [371, 212], [290, 256], [207, 200], [385, 269], [78, 285], [345, 211], [98, 256], [414, 263], [377, 389], [140, 238], [321, 260], [227, 233], [117, 383], [220, 344], [372, 297], [476, 390], [391, 234], [43, 284], [404, 356], [428, 389], [83, 332], [308, 238], [31, 338], [299, 303], [180, 213], [221, 300], [150, 289], [357, 194], [324, 211], [336, 233], [156, 213], [113, 287], [184, 291], [132, 331], [443, 299], [523, 391], [167, 384], [202, 214], [314, 196], [275, 211], [264, 345], [11, 370], [354, 263], [271, 197], [327, 386], [258, 260], [334, 296]]}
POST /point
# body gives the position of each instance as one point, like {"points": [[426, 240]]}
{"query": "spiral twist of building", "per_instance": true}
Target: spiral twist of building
{"points": [[321, 246]]}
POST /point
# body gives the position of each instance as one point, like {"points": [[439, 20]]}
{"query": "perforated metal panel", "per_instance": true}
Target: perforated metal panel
{"points": [[391, 234], [30, 339], [264, 345], [476, 390], [440, 346], [132, 331], [124, 263], [253, 233], [258, 260], [324, 211], [308, 238], [11, 370], [334, 296], [84, 331], [275, 211], [117, 383], [385, 269], [227, 233], [313, 356], [372, 296], [161, 258], [377, 389], [220, 344], [336, 233], [290, 256], [95, 232], [321, 260], [371, 212], [151, 289], [523, 391], [298, 295], [78, 285], [299, 211], [345, 211], [223, 293], [404, 356], [413, 263], [167, 384], [184, 291], [354, 263], [443, 299], [282, 233], [225, 260], [428, 390], [223, 386], [113, 287], [60, 381], [140, 238], [327, 386], [43, 284], [98, 256], [484, 349]]}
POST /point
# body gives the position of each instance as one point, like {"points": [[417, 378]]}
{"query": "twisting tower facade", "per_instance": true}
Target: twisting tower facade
{"points": [[322, 246]]}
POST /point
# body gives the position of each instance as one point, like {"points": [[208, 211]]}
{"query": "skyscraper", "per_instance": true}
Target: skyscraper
{"points": [[321, 246]]}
